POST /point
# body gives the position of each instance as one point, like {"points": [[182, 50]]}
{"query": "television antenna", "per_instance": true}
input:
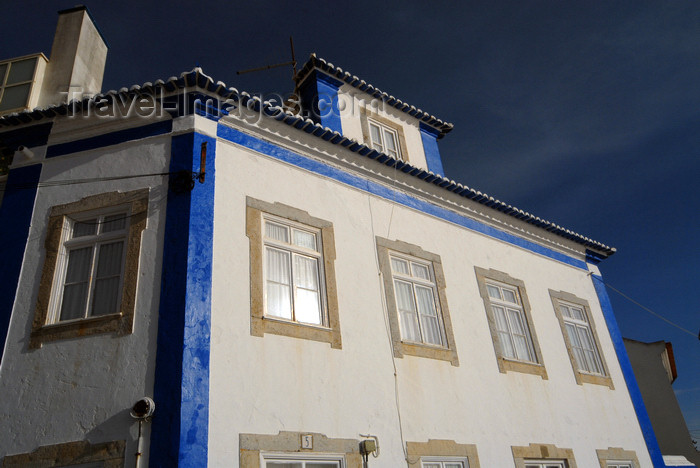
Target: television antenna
{"points": [[292, 62]]}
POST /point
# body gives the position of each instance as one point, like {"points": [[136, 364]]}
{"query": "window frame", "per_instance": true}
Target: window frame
{"points": [[542, 453], [561, 297], [401, 347], [442, 460], [30, 82], [383, 131], [261, 323], [367, 116], [253, 448], [507, 364], [121, 323], [301, 457], [613, 456], [441, 450]]}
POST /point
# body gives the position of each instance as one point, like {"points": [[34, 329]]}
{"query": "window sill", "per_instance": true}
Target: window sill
{"points": [[112, 323], [262, 325], [427, 351], [595, 379], [510, 365]]}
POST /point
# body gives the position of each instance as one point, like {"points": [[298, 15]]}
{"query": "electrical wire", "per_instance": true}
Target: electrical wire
{"points": [[645, 308]]}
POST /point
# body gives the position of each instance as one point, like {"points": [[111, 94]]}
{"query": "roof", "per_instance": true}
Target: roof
{"points": [[197, 78], [315, 62]]}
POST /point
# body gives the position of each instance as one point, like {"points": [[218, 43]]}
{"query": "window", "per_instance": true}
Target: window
{"points": [[439, 453], [580, 338], [416, 302], [383, 135], [290, 461], [16, 78], [448, 463], [297, 450], [543, 456], [619, 464], [384, 139], [616, 457], [292, 273], [510, 322], [88, 282]]}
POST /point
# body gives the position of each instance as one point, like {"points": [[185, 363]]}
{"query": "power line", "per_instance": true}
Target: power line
{"points": [[646, 308]]}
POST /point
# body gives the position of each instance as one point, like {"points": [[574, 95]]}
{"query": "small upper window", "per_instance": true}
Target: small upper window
{"points": [[384, 139], [513, 331], [16, 79], [546, 464], [293, 272], [91, 270], [416, 293]]}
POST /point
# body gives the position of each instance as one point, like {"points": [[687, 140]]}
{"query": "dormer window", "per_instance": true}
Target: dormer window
{"points": [[384, 139], [16, 79]]}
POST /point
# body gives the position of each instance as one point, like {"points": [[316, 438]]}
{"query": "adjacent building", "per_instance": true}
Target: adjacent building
{"points": [[293, 283]]}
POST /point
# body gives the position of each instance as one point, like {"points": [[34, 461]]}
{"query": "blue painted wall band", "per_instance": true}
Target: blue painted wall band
{"points": [[180, 435], [269, 149], [29, 136], [429, 137], [108, 139], [632, 387], [15, 218]]}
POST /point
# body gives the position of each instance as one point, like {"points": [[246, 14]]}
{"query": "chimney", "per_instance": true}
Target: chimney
{"points": [[77, 60]]}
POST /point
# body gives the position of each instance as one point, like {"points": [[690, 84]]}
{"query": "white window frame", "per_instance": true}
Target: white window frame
{"points": [[519, 308], [546, 464], [619, 464], [582, 326], [68, 243], [443, 460], [4, 78], [303, 458], [381, 145], [417, 281], [293, 249]]}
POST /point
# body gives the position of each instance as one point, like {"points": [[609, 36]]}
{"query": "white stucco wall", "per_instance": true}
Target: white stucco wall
{"points": [[82, 389], [276, 383]]}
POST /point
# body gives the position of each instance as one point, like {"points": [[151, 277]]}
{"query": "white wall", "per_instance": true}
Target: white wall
{"points": [[275, 383]]}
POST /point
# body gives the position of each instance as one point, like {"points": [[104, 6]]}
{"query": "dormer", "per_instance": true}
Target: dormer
{"points": [[344, 103]]}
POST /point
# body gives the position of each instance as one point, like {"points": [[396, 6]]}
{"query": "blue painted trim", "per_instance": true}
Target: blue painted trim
{"points": [[387, 193], [594, 257], [632, 386], [180, 433], [432, 153], [108, 139], [327, 102], [15, 217]]}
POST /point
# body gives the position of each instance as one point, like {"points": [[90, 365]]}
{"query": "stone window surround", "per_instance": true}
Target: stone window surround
{"points": [[542, 452], [506, 364], [366, 113], [581, 377], [401, 348], [617, 454], [251, 446], [120, 323], [70, 453], [261, 324], [441, 448]]}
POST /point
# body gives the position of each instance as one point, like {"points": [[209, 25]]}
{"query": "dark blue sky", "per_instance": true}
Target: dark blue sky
{"points": [[583, 113]]}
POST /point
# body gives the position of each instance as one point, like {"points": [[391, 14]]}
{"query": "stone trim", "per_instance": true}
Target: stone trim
{"points": [[251, 446], [617, 454], [121, 323], [69, 454], [259, 323], [441, 448], [542, 452], [401, 348], [366, 113], [506, 364], [581, 377]]}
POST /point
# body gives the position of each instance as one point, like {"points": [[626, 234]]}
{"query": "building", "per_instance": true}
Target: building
{"points": [[293, 285], [655, 371]]}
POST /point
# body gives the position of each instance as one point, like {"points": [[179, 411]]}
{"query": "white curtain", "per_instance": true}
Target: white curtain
{"points": [[75, 289], [109, 268], [407, 310], [278, 283], [307, 307], [428, 315]]}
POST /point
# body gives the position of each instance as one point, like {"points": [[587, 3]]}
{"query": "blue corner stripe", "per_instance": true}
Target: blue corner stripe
{"points": [[108, 139], [15, 217], [632, 387], [180, 433], [327, 106], [430, 147], [238, 137]]}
